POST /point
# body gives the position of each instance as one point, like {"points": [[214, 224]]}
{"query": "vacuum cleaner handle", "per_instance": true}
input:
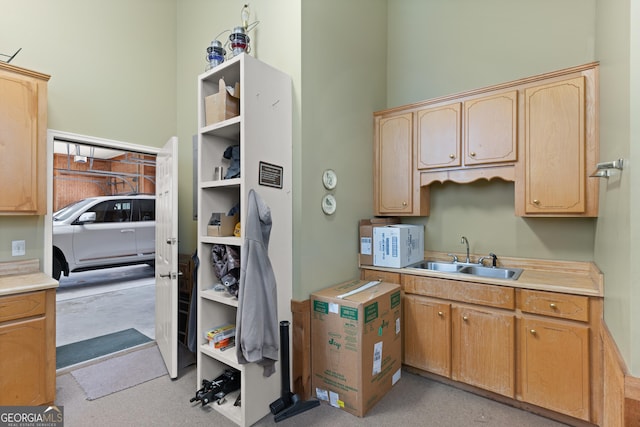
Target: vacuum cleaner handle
{"points": [[284, 362]]}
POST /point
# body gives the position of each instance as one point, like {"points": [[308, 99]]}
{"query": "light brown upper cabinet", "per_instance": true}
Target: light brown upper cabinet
{"points": [[396, 181], [23, 134], [556, 124], [438, 134], [480, 131], [491, 129], [540, 132]]}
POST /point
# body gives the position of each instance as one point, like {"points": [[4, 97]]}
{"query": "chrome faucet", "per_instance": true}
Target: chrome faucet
{"points": [[466, 242], [494, 257]]}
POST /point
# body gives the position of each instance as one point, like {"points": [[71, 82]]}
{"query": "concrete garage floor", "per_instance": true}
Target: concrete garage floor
{"points": [[94, 303]]}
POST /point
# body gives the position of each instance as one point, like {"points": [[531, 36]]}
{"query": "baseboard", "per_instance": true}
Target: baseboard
{"points": [[301, 352], [622, 391]]}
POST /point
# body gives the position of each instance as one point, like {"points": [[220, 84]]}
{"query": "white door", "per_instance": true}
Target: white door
{"points": [[167, 255]]}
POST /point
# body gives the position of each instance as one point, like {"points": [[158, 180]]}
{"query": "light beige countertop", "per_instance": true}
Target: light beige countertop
{"points": [[571, 277], [23, 276]]}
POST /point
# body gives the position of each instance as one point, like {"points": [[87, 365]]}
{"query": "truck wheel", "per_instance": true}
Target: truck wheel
{"points": [[57, 268]]}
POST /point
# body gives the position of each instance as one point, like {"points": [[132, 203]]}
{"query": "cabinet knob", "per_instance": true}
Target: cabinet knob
{"points": [[452, 156], [472, 154], [533, 331], [440, 314], [536, 201], [465, 318], [553, 306], [404, 203]]}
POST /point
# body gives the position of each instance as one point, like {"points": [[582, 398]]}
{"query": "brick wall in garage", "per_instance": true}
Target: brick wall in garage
{"points": [[75, 181]]}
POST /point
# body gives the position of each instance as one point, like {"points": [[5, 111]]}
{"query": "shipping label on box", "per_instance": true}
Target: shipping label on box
{"points": [[398, 245], [356, 343], [366, 236]]}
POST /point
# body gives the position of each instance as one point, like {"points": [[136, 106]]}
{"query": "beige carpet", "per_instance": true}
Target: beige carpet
{"points": [[120, 372], [413, 401]]}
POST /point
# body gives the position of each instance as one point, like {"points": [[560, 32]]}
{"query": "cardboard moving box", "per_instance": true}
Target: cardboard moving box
{"points": [[222, 105], [366, 236], [224, 226], [356, 343], [398, 245]]}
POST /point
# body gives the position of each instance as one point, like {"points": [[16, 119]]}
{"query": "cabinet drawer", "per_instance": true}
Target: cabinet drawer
{"points": [[574, 307], [22, 305], [473, 293], [383, 276]]}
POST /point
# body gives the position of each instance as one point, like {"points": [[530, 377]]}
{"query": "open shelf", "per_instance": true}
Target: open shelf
{"points": [[262, 133]]}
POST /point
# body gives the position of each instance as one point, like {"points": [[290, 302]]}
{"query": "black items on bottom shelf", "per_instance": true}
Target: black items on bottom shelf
{"points": [[217, 389]]}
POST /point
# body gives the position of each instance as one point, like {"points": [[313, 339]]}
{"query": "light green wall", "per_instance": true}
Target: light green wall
{"points": [[617, 47], [483, 212], [444, 47], [343, 80], [275, 40], [439, 47], [633, 324], [112, 66]]}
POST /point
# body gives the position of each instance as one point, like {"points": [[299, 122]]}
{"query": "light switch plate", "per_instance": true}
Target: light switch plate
{"points": [[18, 248]]}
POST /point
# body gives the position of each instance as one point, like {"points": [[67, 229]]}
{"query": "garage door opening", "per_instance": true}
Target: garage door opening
{"points": [[103, 249]]}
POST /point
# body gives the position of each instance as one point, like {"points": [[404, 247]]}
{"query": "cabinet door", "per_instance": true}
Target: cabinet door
{"points": [[555, 176], [490, 129], [554, 357], [484, 349], [22, 363], [438, 133], [393, 167], [19, 138], [427, 334]]}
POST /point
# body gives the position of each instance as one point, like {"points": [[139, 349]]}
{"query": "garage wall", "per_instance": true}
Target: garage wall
{"points": [[74, 181]]}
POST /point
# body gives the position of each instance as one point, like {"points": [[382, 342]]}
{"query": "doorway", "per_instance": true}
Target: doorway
{"points": [[100, 310]]}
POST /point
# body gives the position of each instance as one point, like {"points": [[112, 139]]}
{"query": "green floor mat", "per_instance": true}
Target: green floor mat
{"points": [[71, 354]]}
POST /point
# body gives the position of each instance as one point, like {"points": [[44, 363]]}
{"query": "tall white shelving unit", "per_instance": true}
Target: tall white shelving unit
{"points": [[263, 131]]}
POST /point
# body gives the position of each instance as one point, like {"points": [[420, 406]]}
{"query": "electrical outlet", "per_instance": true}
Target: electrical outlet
{"points": [[18, 248]]}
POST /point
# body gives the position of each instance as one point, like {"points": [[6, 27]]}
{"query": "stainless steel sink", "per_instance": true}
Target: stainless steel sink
{"points": [[448, 267], [493, 272], [471, 269]]}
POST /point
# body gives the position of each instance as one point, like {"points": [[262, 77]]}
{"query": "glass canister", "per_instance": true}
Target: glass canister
{"points": [[239, 41], [215, 54]]}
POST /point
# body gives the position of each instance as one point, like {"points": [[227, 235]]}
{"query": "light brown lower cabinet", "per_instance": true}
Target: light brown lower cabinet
{"points": [[27, 349], [554, 360], [484, 349], [427, 334], [537, 351]]}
